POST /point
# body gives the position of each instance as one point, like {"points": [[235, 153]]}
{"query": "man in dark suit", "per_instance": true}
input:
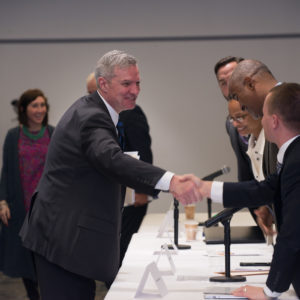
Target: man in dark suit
{"points": [[73, 225], [281, 122], [136, 138], [223, 70]]}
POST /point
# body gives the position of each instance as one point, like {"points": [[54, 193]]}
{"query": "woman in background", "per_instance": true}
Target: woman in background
{"points": [[24, 153]]}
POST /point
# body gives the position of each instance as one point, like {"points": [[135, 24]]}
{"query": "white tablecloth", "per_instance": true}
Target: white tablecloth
{"points": [[194, 267]]}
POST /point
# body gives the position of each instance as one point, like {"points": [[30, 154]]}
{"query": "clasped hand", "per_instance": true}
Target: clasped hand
{"points": [[189, 188]]}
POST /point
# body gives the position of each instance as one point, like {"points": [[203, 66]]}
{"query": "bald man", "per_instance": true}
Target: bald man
{"points": [[250, 83]]}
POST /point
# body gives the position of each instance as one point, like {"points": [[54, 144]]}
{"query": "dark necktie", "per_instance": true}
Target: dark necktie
{"points": [[278, 167], [121, 134]]}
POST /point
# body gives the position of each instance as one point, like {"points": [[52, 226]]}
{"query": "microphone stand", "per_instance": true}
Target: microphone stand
{"points": [[176, 217], [227, 241], [224, 170], [208, 212]]}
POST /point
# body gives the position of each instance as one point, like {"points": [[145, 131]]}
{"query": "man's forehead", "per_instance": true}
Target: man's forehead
{"points": [[126, 72], [226, 69]]}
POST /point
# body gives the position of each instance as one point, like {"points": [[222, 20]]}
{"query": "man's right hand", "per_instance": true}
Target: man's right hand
{"points": [[185, 188], [4, 212]]}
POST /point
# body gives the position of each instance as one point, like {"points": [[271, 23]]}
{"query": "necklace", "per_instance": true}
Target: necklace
{"points": [[33, 136]]}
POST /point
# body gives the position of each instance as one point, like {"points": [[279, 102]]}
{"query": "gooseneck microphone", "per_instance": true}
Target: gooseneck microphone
{"points": [[224, 170], [221, 216]]}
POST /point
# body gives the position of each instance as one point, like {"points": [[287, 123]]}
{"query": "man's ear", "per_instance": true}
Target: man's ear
{"points": [[275, 121], [249, 83], [102, 83]]}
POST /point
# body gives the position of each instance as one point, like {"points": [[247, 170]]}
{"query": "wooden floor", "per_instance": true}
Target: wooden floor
{"points": [[13, 289]]}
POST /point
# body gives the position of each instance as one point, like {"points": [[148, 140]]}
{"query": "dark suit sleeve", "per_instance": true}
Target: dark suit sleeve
{"points": [[285, 266], [250, 193]]}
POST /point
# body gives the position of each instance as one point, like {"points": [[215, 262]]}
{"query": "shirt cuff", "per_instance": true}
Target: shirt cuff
{"points": [[216, 193], [163, 183], [271, 294]]}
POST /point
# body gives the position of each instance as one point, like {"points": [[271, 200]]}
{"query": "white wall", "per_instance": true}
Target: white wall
{"points": [[185, 109]]}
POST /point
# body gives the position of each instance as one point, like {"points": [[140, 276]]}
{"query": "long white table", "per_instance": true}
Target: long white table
{"points": [[194, 267]]}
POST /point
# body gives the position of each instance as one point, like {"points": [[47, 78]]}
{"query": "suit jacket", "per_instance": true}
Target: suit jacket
{"points": [[283, 191], [269, 158], [240, 149], [75, 216]]}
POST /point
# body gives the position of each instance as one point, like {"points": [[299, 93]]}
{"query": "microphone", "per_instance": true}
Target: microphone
{"points": [[222, 216], [224, 170]]}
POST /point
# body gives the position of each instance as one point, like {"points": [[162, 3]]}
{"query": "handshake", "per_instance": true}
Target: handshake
{"points": [[188, 189]]}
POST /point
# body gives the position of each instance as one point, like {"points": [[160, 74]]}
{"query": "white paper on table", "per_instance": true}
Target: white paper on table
{"points": [[130, 193], [220, 293]]}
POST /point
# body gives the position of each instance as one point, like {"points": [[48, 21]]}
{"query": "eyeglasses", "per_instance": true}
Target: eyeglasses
{"points": [[239, 119]]}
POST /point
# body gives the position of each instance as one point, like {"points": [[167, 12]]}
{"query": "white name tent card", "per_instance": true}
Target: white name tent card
{"points": [[167, 253], [167, 222], [158, 280]]}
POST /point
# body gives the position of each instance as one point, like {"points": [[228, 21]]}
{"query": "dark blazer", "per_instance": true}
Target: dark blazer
{"points": [[269, 158], [75, 217], [240, 149], [283, 191], [15, 260]]}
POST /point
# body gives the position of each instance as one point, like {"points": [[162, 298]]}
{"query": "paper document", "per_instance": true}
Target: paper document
{"points": [[130, 193], [220, 293]]}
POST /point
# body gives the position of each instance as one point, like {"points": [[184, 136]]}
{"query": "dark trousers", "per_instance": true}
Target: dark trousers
{"points": [[60, 284], [31, 287]]}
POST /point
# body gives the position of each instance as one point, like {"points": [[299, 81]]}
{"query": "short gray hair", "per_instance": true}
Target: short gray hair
{"points": [[249, 68], [115, 58]]}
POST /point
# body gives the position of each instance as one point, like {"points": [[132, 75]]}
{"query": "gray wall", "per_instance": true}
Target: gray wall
{"points": [[184, 106]]}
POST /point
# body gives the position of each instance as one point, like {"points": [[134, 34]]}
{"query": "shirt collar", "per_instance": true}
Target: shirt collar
{"points": [[283, 148], [113, 114]]}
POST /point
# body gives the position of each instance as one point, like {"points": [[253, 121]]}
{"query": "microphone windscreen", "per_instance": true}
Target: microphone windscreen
{"points": [[226, 170]]}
